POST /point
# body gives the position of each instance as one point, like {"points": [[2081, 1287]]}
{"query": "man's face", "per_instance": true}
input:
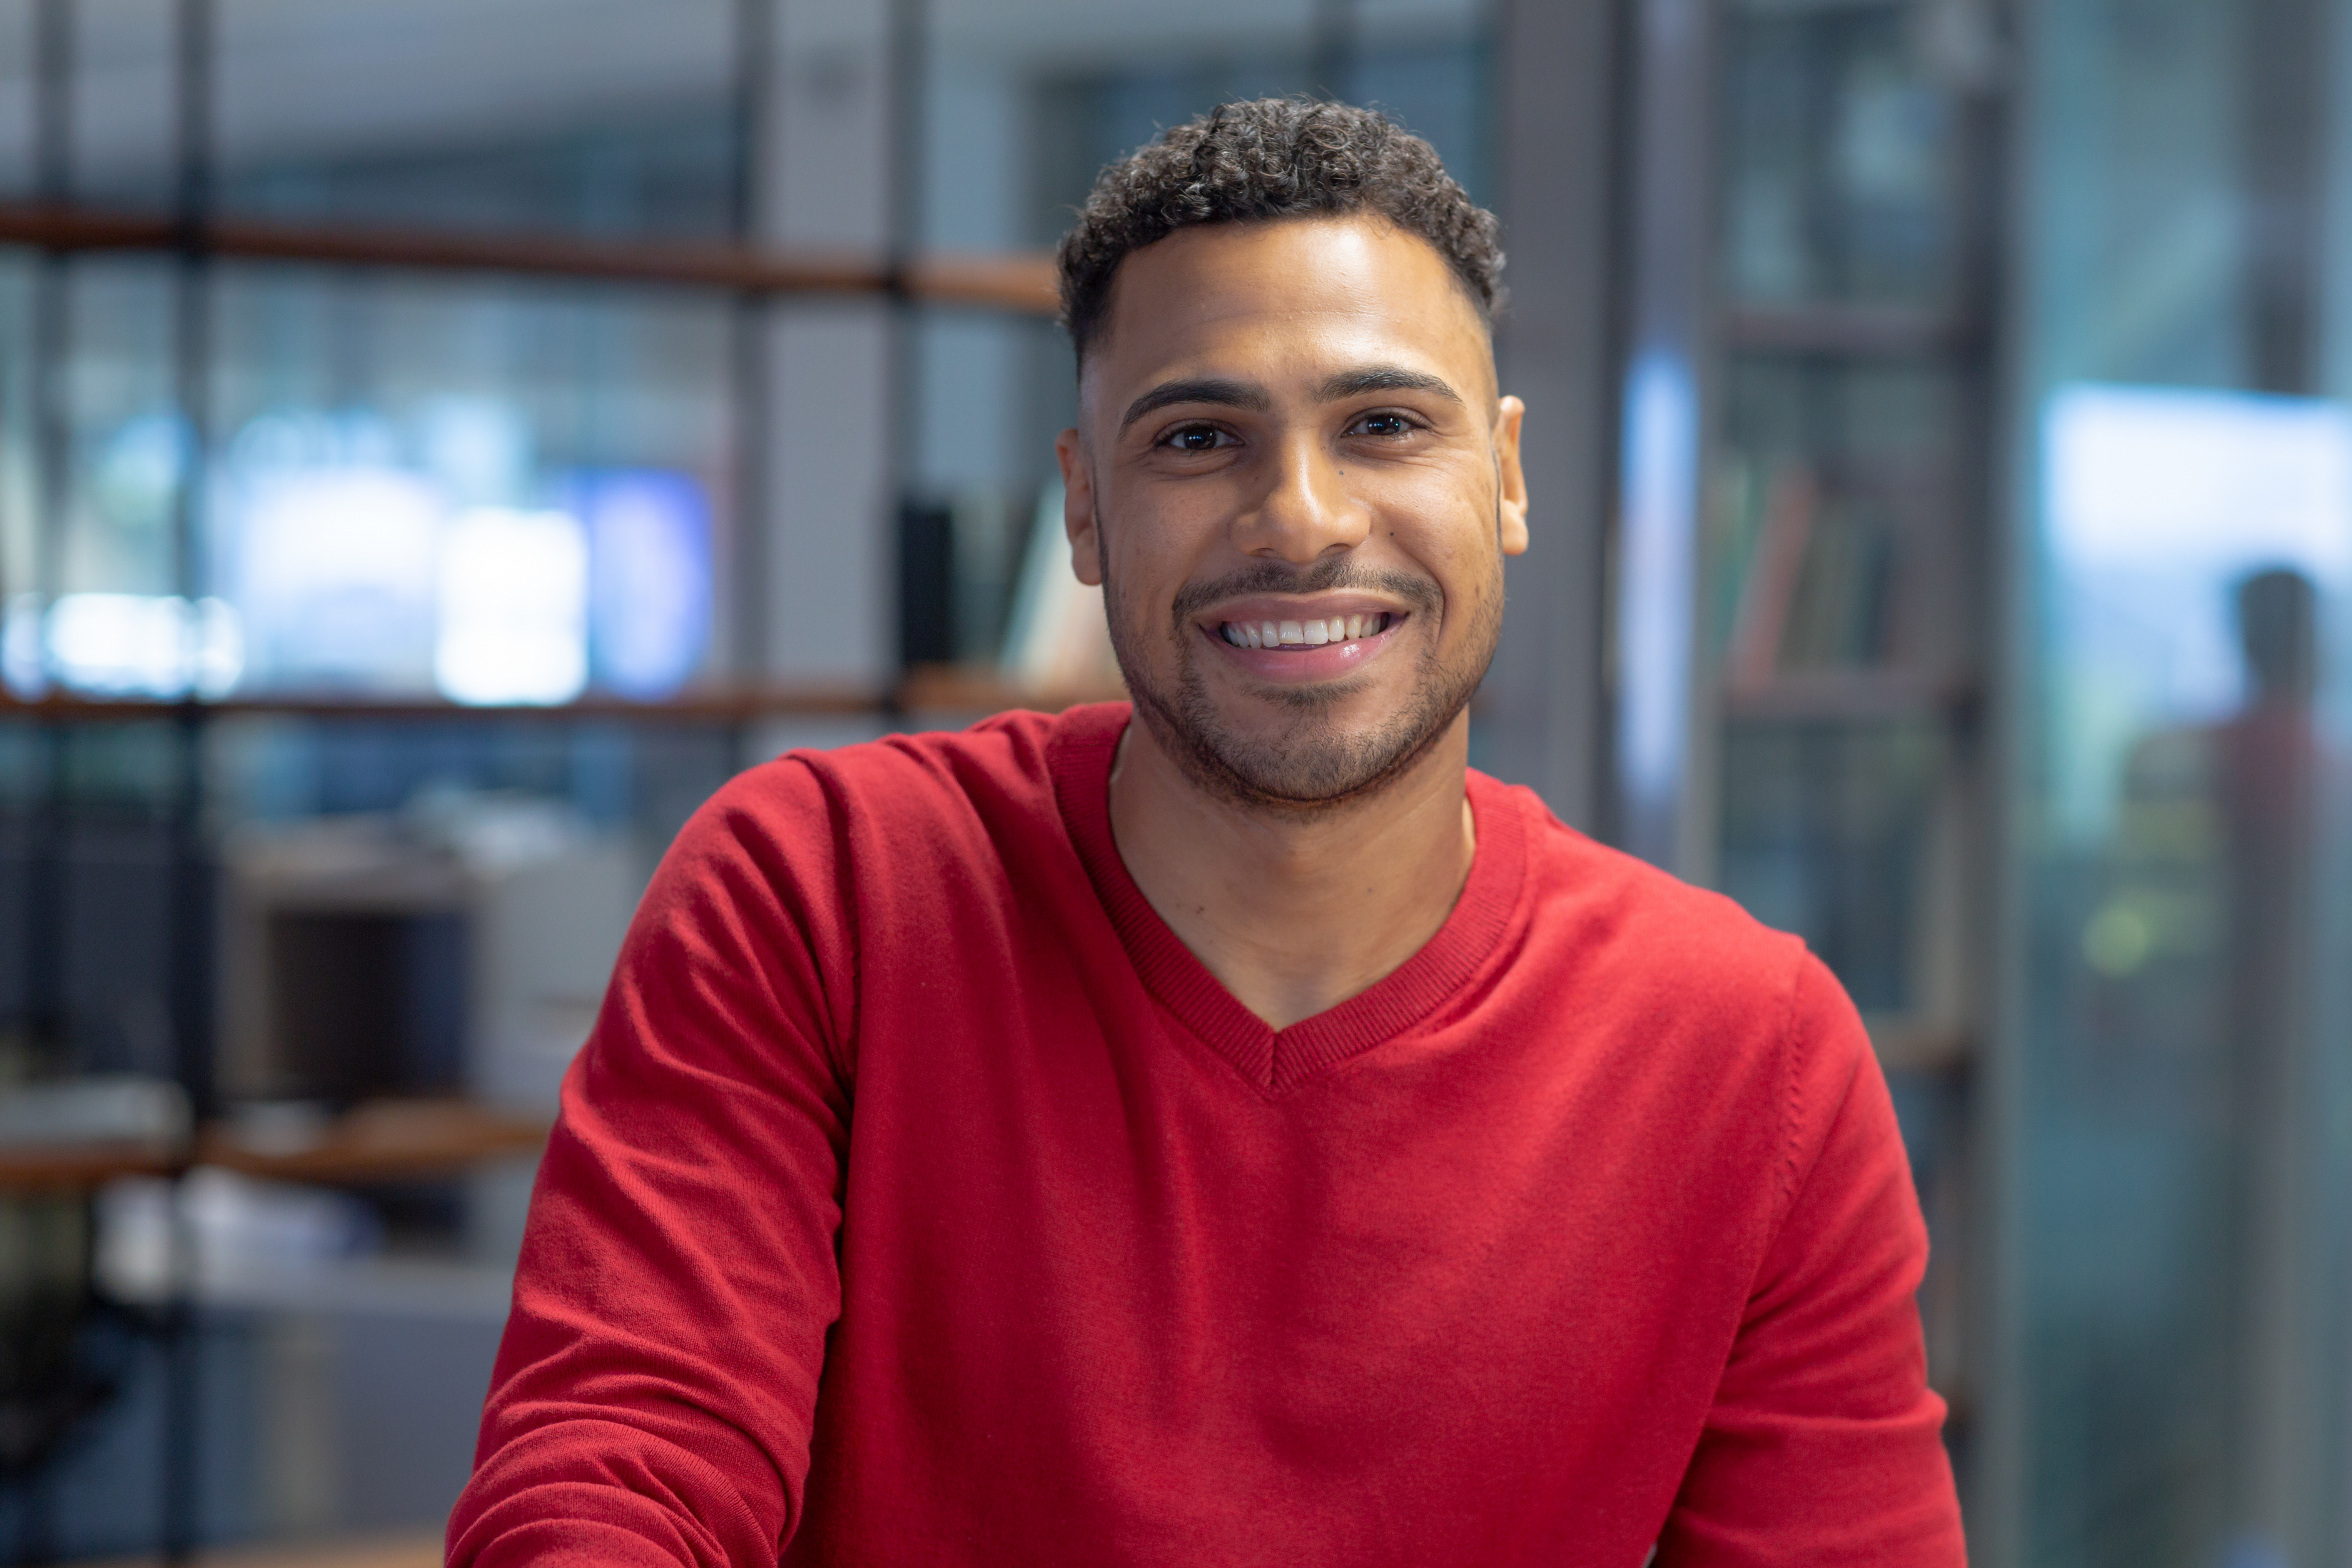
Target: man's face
{"points": [[1297, 485]]}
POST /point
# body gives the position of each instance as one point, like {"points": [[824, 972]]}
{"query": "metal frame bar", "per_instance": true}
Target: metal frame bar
{"points": [[1662, 767], [752, 368], [190, 979], [1335, 45], [52, 466], [1562, 136], [909, 65]]}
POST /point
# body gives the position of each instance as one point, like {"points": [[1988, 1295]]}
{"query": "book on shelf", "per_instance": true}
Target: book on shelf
{"points": [[1774, 566], [1816, 588]]}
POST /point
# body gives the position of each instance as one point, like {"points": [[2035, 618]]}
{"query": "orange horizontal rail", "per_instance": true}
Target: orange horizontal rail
{"points": [[1022, 284], [931, 689]]}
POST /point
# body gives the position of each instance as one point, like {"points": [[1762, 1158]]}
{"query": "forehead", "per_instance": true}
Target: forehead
{"points": [[1293, 298]]}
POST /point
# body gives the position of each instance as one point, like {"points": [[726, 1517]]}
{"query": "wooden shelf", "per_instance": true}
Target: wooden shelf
{"points": [[77, 1167], [1022, 284], [402, 1551], [392, 1140], [714, 708], [1866, 331], [950, 689], [1848, 696], [389, 1140], [931, 689]]}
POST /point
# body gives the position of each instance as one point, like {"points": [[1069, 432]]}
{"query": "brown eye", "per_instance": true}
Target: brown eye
{"points": [[1390, 425], [1196, 438]]}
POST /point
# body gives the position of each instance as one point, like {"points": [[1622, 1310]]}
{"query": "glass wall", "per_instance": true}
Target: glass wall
{"points": [[597, 118], [2185, 552]]}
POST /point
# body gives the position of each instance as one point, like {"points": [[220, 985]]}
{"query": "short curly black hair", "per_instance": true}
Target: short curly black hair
{"points": [[1267, 159]]}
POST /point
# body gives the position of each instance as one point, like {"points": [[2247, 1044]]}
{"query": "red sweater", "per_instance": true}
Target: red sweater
{"points": [[921, 1200]]}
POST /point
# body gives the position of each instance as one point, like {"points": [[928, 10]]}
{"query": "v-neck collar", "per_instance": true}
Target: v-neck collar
{"points": [[1086, 741]]}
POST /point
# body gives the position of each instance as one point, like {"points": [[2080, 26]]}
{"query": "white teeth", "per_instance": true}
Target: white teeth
{"points": [[1314, 633]]}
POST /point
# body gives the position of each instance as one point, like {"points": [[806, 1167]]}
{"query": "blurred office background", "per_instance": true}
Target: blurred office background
{"points": [[441, 440]]}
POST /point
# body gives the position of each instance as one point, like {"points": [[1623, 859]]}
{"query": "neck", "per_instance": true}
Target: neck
{"points": [[1294, 914]]}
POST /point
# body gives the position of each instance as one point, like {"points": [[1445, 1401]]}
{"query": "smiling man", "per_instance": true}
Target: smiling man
{"points": [[1228, 1131]]}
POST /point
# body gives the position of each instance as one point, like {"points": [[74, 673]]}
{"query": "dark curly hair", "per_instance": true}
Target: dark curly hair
{"points": [[1267, 159]]}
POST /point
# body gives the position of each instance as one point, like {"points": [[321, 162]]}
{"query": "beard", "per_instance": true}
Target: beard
{"points": [[1318, 763]]}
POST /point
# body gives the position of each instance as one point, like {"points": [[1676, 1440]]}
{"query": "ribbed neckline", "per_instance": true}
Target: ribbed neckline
{"points": [[1085, 741]]}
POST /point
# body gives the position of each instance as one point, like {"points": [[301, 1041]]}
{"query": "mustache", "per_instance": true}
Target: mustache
{"points": [[1320, 577]]}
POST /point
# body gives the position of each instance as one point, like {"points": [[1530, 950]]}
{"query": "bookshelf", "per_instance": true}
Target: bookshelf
{"points": [[1844, 548]]}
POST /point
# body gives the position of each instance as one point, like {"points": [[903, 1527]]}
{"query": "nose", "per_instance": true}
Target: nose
{"points": [[1305, 511]]}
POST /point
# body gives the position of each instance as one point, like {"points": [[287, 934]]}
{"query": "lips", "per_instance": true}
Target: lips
{"points": [[1301, 650]]}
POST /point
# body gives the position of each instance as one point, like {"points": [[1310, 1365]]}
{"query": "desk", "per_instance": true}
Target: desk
{"points": [[68, 1168], [403, 1552], [389, 1140]]}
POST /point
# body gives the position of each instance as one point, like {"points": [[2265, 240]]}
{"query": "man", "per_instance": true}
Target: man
{"points": [[1231, 1132]]}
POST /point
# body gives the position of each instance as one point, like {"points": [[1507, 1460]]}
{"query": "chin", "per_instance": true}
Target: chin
{"points": [[1303, 749]]}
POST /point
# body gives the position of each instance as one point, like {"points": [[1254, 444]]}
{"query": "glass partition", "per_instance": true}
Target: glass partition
{"points": [[2184, 795], [18, 49], [603, 118], [1842, 152], [121, 102], [395, 454]]}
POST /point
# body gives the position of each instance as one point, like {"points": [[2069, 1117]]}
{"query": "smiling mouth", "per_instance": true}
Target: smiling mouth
{"points": [[1314, 633]]}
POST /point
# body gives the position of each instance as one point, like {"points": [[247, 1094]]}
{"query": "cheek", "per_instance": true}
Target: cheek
{"points": [[1154, 549], [1443, 511], [1456, 548], [1137, 584]]}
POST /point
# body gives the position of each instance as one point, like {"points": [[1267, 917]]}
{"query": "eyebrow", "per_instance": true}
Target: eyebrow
{"points": [[1226, 393], [1200, 389], [1384, 378]]}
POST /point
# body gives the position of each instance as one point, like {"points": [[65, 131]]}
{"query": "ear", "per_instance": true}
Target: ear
{"points": [[1078, 508], [1511, 504]]}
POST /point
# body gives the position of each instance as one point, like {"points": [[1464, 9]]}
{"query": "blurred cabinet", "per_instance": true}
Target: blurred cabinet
{"points": [[1844, 542], [463, 948]]}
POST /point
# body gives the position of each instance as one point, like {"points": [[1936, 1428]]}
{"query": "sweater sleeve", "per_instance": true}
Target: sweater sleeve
{"points": [[1824, 1443], [652, 1398]]}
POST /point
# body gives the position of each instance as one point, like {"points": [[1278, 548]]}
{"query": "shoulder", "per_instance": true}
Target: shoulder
{"points": [[1660, 941], [924, 785], [796, 869], [854, 834], [1719, 1005]]}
